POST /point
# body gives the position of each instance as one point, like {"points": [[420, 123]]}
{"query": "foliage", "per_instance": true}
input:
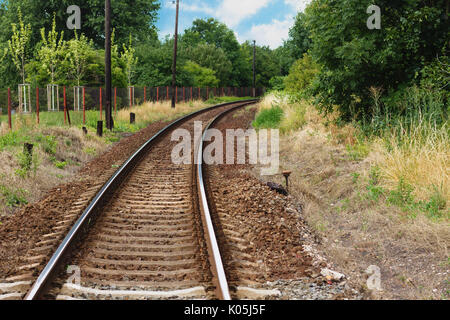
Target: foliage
{"points": [[268, 118], [302, 74], [213, 58], [77, 56], [277, 83], [136, 17], [129, 59], [18, 44], [354, 58], [299, 37], [202, 77], [50, 52]]}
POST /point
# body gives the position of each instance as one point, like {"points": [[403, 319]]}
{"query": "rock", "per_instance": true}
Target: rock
{"points": [[332, 275], [277, 187]]}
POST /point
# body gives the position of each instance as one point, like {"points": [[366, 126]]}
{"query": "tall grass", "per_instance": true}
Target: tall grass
{"points": [[413, 146], [278, 110]]}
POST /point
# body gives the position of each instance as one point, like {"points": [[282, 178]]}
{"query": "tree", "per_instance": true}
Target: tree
{"points": [[50, 53], [354, 58], [128, 57], [267, 65], [302, 74], [137, 17], [299, 37], [213, 58], [215, 33], [202, 77], [18, 44], [77, 56]]}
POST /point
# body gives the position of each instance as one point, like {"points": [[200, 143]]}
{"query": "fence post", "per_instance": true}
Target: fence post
{"points": [[65, 106], [191, 95], [207, 93], [157, 94], [84, 106], [101, 116], [37, 104]]}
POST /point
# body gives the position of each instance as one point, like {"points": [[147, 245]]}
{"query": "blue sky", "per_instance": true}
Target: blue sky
{"points": [[266, 21]]}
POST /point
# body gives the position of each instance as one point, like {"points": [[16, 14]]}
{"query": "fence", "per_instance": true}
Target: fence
{"points": [[82, 99]]}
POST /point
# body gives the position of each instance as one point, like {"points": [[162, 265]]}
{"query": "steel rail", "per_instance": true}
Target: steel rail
{"points": [[103, 196], [215, 257]]}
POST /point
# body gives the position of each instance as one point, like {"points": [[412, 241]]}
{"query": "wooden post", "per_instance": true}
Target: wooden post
{"points": [[84, 107], [65, 106], [37, 104], [132, 118], [9, 109], [157, 94], [101, 111], [100, 128], [191, 94], [207, 93]]}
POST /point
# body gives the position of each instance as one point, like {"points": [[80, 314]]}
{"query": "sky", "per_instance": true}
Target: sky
{"points": [[266, 21]]}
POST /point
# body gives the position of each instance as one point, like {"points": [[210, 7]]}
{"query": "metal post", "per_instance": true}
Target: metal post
{"points": [[108, 80], [175, 45]]}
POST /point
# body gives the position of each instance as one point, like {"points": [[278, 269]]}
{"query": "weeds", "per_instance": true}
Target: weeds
{"points": [[13, 198]]}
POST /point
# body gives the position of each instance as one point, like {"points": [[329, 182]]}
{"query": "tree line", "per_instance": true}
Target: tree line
{"points": [[209, 53]]}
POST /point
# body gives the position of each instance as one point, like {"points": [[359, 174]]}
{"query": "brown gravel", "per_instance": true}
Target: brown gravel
{"points": [[20, 232], [267, 221]]}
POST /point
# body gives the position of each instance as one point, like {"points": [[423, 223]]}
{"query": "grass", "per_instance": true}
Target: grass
{"points": [[373, 194], [59, 149]]}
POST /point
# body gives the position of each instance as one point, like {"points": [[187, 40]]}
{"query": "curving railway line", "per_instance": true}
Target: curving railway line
{"points": [[148, 233]]}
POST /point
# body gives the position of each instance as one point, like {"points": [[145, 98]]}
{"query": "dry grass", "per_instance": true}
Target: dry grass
{"points": [[356, 231], [152, 112], [422, 162]]}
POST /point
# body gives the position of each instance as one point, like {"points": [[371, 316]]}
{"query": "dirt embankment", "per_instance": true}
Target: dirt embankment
{"points": [[21, 231]]}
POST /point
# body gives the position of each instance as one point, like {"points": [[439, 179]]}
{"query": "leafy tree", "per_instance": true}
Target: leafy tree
{"points": [[299, 37], [50, 52], [215, 33], [137, 17], [18, 44], [213, 58], [130, 61], [302, 74], [78, 51], [354, 58], [266, 64], [202, 77]]}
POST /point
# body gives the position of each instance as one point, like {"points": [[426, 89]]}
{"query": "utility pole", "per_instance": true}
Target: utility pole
{"points": [[254, 68], [108, 110], [174, 67]]}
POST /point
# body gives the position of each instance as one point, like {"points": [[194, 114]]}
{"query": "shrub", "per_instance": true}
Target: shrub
{"points": [[269, 118]]}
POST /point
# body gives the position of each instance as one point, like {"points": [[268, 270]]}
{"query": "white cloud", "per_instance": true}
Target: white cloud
{"points": [[232, 12], [271, 34], [298, 5]]}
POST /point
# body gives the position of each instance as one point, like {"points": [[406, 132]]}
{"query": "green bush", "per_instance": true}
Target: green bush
{"points": [[269, 118], [301, 76]]}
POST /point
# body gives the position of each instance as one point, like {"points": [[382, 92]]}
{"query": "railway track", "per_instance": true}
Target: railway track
{"points": [[148, 234]]}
